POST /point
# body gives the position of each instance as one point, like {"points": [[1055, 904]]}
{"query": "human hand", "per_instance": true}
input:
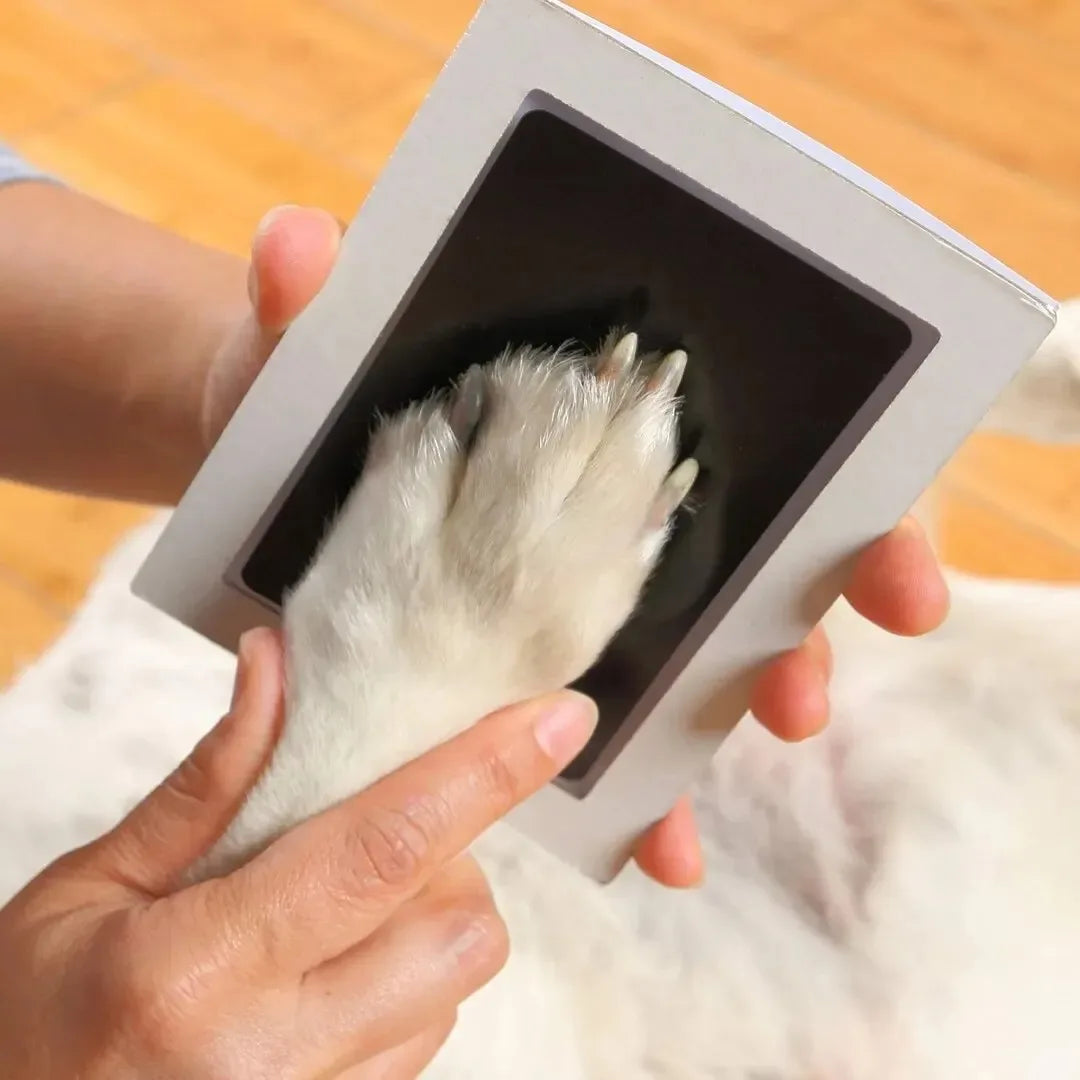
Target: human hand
{"points": [[292, 254], [896, 584], [341, 951]]}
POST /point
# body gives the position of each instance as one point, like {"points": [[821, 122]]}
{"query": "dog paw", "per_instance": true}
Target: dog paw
{"points": [[497, 539]]}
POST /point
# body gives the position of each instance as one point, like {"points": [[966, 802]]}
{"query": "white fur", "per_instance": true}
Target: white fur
{"points": [[464, 576], [898, 898]]}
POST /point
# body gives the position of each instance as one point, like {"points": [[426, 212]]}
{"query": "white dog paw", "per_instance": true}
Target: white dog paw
{"points": [[497, 539]]}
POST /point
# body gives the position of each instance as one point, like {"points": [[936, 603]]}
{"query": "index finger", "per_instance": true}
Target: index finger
{"points": [[333, 880], [897, 583]]}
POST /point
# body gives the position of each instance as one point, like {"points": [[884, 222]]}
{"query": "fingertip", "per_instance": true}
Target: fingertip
{"points": [[293, 251], [563, 724], [256, 711], [259, 659], [670, 852], [260, 642], [898, 583], [791, 698], [289, 221]]}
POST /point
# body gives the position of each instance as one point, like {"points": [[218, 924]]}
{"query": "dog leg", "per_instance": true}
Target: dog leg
{"points": [[497, 539]]}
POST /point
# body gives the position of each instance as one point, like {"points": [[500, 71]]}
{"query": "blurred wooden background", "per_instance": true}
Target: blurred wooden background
{"points": [[200, 115]]}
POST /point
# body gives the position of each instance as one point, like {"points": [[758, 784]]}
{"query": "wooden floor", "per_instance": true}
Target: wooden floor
{"points": [[200, 115]]}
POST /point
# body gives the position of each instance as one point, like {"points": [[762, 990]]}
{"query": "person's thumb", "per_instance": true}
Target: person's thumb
{"points": [[292, 254], [181, 819]]}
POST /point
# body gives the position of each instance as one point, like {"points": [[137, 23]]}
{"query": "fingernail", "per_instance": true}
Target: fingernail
{"points": [[467, 940], [265, 224], [267, 220], [243, 665], [564, 729], [909, 525]]}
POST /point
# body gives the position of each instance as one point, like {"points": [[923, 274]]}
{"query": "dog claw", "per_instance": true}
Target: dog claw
{"points": [[468, 405], [673, 491], [621, 358], [669, 374]]}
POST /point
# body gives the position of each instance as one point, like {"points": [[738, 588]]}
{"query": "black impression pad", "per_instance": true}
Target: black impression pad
{"points": [[565, 238]]}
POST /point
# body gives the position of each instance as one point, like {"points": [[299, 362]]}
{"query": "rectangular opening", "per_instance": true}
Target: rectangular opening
{"points": [[569, 233]]}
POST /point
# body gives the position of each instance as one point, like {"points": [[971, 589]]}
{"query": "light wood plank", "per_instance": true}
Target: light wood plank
{"points": [[1000, 93], [26, 628], [1055, 23], [54, 543], [48, 70], [369, 136], [296, 66], [1036, 485], [172, 155], [983, 538], [436, 24], [148, 25], [440, 23], [759, 23]]}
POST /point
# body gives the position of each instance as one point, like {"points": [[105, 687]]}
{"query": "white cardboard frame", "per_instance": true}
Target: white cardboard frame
{"points": [[990, 322]]}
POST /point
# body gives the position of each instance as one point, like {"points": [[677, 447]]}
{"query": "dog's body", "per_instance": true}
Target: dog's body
{"points": [[896, 898]]}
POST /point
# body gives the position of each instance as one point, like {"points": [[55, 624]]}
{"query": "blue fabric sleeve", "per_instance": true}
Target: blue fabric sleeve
{"points": [[14, 168]]}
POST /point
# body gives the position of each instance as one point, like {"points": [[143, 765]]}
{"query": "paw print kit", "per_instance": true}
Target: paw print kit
{"points": [[562, 180]]}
